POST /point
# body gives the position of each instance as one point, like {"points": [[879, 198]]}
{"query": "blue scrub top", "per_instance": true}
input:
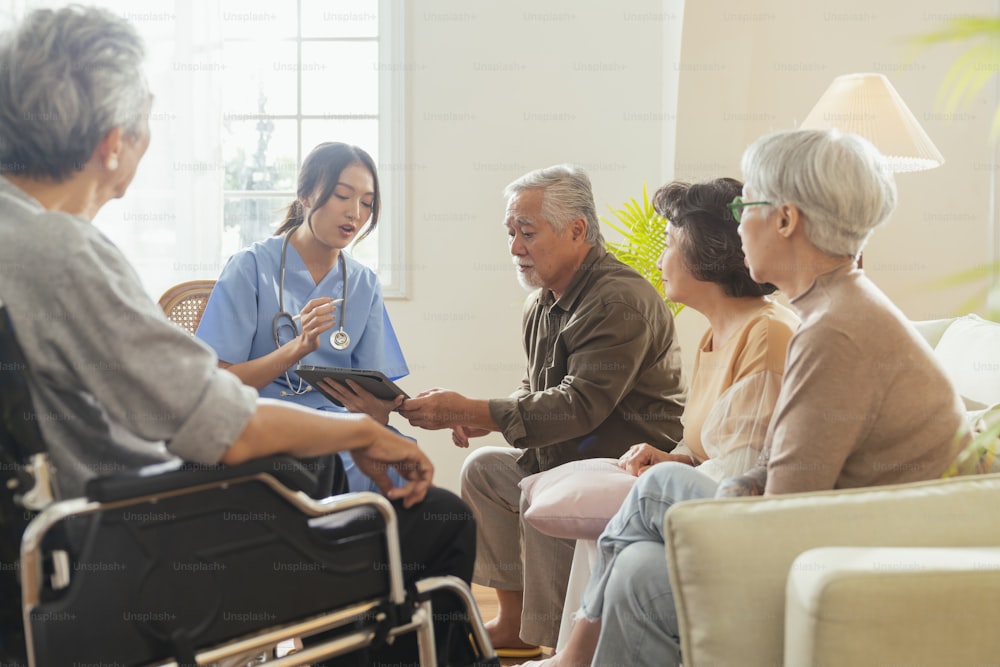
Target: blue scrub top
{"points": [[238, 316]]}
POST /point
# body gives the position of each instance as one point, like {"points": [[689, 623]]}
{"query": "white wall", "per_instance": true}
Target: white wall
{"points": [[499, 88], [762, 66]]}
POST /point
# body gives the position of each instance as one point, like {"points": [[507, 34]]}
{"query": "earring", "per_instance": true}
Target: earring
{"points": [[112, 163]]}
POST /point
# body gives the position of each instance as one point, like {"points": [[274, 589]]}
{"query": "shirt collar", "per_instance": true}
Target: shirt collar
{"points": [[11, 191], [578, 283], [803, 302]]}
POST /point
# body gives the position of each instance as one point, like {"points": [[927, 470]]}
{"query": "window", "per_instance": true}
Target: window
{"points": [[296, 76], [244, 89]]}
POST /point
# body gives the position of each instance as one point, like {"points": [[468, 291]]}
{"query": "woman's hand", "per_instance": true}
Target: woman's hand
{"points": [[317, 317], [358, 399], [640, 458], [750, 484]]}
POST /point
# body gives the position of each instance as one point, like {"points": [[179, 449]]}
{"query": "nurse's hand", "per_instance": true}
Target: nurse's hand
{"points": [[358, 399], [316, 318]]}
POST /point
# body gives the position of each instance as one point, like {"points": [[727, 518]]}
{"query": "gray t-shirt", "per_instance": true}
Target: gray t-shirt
{"points": [[116, 385]]}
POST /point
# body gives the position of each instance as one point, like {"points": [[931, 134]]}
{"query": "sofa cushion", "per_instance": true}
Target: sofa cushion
{"points": [[576, 499], [893, 606]]}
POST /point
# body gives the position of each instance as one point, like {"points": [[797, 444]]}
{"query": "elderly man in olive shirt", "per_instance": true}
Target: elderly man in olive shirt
{"points": [[603, 373]]}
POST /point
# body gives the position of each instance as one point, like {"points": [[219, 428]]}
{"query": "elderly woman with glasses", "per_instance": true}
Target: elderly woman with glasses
{"points": [[853, 409]]}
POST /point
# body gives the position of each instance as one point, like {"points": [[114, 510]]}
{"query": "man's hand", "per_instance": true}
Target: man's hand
{"points": [[392, 450], [460, 435], [358, 399], [640, 458], [750, 484], [436, 409]]}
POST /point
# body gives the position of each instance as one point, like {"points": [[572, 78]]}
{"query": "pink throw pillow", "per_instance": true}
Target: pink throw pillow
{"points": [[577, 499]]}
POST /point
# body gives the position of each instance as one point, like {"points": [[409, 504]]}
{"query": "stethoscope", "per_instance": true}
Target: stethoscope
{"points": [[339, 340]]}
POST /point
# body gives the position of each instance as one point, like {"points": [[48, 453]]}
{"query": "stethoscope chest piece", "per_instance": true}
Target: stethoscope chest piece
{"points": [[340, 340]]}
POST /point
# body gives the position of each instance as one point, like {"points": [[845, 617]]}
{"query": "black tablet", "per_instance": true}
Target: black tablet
{"points": [[373, 381]]}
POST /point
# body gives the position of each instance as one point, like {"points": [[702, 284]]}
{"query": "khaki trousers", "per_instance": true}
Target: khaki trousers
{"points": [[510, 554]]}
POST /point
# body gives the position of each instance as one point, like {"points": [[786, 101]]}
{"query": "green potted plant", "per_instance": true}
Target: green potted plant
{"points": [[642, 230], [978, 456]]}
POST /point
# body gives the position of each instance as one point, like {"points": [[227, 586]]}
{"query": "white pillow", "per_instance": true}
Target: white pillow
{"points": [[576, 499], [970, 352]]}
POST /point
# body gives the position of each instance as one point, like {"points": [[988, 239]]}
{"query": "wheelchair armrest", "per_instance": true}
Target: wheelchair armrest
{"points": [[177, 474]]}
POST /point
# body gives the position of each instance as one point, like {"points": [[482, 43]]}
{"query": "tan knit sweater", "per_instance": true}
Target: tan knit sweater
{"points": [[863, 401]]}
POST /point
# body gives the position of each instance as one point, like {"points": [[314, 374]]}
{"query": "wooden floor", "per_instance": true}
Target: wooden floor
{"points": [[487, 601]]}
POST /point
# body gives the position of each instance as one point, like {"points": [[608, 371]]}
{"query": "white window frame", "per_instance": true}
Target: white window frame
{"points": [[392, 148], [205, 259], [391, 116]]}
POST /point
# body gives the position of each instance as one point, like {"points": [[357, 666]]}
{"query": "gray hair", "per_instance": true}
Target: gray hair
{"points": [[568, 196], [67, 77], [839, 181]]}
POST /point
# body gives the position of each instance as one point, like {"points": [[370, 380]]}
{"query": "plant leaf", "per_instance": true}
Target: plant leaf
{"points": [[642, 230]]}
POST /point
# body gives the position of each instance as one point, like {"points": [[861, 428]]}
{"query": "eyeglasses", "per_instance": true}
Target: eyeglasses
{"points": [[736, 206]]}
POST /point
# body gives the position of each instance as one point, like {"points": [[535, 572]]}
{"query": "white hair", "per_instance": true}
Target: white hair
{"points": [[67, 78], [839, 181], [567, 196]]}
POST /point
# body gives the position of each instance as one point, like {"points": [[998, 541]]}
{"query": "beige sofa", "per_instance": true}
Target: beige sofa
{"points": [[897, 575]]}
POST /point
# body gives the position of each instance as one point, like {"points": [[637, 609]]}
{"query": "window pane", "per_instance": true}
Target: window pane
{"points": [[259, 78], [345, 18], [259, 154], [366, 252], [363, 133], [258, 19], [339, 78], [250, 219]]}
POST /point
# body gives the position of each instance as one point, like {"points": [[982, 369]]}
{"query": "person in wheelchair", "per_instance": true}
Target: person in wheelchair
{"points": [[117, 386]]}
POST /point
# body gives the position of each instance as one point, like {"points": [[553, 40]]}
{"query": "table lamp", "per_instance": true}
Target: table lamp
{"points": [[868, 105]]}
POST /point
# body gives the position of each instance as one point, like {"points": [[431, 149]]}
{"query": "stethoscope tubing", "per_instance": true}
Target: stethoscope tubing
{"points": [[282, 314]]}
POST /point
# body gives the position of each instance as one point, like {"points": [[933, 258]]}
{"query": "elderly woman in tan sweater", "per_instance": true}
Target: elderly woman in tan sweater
{"points": [[853, 409]]}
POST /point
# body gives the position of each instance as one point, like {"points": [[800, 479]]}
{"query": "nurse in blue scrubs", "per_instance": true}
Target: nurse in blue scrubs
{"points": [[298, 297]]}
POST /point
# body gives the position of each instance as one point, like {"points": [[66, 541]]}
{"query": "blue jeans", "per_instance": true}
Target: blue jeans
{"points": [[629, 589]]}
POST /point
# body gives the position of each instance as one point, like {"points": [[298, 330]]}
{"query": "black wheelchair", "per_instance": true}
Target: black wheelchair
{"points": [[180, 564]]}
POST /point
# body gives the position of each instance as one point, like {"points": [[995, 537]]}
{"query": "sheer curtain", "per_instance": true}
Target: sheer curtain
{"points": [[169, 222]]}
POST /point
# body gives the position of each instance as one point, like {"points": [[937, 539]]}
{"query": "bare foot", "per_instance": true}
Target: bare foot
{"points": [[579, 650], [504, 635]]}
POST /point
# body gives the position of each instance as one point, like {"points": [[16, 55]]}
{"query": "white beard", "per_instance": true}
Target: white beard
{"points": [[529, 280]]}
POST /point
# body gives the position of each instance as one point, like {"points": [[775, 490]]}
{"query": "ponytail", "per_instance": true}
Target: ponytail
{"points": [[294, 216]]}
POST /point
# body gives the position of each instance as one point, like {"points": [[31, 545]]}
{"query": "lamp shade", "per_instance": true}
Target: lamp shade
{"points": [[868, 105]]}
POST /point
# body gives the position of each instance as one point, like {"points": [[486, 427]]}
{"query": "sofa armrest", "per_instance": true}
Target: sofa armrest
{"points": [[893, 605], [729, 559]]}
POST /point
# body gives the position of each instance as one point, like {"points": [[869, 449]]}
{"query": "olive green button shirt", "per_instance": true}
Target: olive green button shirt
{"points": [[603, 370]]}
